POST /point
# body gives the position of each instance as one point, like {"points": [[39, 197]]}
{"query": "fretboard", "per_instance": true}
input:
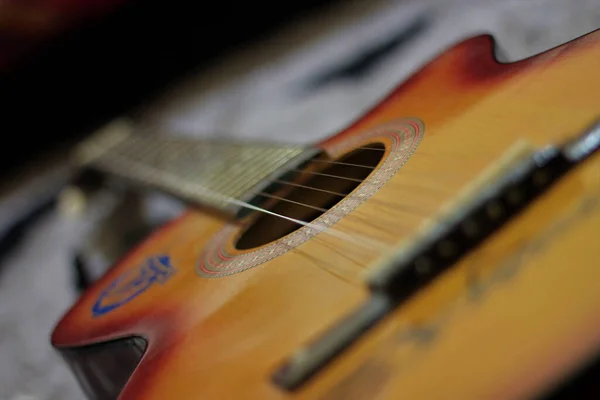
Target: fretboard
{"points": [[207, 173]]}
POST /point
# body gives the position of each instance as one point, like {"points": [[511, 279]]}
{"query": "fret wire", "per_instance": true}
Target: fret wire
{"points": [[151, 147], [153, 154], [264, 162]]}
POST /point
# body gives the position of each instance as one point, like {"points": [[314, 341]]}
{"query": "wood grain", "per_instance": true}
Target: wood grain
{"points": [[532, 314]]}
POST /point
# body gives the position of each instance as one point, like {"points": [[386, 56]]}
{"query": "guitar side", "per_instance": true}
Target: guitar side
{"points": [[224, 337]]}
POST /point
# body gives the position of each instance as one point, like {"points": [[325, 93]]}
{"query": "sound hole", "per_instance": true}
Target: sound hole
{"points": [[308, 194]]}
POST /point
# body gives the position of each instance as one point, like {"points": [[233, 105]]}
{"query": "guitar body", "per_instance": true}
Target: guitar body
{"points": [[512, 319]]}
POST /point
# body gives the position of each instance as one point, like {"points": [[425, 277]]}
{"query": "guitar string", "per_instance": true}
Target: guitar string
{"points": [[369, 242], [420, 153], [427, 217], [394, 206], [362, 181], [365, 181], [317, 261], [362, 242], [119, 163], [327, 175], [370, 167], [335, 270], [323, 210], [370, 148], [358, 181]]}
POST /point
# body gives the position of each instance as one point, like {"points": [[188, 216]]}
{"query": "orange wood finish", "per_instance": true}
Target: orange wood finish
{"points": [[508, 321]]}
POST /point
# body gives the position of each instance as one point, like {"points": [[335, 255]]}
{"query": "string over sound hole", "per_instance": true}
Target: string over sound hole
{"points": [[306, 193]]}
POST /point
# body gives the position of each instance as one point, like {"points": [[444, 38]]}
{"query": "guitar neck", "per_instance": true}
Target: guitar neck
{"points": [[215, 174]]}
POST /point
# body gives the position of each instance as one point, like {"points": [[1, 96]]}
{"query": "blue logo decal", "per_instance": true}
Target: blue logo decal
{"points": [[133, 283]]}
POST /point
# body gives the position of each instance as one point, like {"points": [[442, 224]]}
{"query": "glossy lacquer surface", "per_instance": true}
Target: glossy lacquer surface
{"points": [[508, 321]]}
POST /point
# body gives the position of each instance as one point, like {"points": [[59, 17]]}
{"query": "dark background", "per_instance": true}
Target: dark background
{"points": [[101, 67]]}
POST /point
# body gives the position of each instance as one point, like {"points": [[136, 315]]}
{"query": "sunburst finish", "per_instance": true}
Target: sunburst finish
{"points": [[509, 321]]}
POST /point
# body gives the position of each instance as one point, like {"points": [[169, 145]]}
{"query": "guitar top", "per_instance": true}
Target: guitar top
{"points": [[444, 245]]}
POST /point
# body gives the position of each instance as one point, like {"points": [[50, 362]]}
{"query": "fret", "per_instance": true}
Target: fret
{"points": [[202, 172]]}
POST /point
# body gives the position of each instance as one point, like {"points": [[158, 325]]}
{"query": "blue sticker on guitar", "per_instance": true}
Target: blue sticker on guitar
{"points": [[132, 283]]}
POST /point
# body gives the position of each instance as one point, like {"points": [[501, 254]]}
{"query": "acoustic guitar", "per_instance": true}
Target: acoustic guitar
{"points": [[445, 245]]}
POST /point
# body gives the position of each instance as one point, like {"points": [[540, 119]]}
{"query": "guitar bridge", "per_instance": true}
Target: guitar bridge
{"points": [[495, 199]]}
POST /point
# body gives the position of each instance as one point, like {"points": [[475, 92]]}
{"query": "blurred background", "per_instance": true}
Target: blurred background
{"points": [[292, 71]]}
